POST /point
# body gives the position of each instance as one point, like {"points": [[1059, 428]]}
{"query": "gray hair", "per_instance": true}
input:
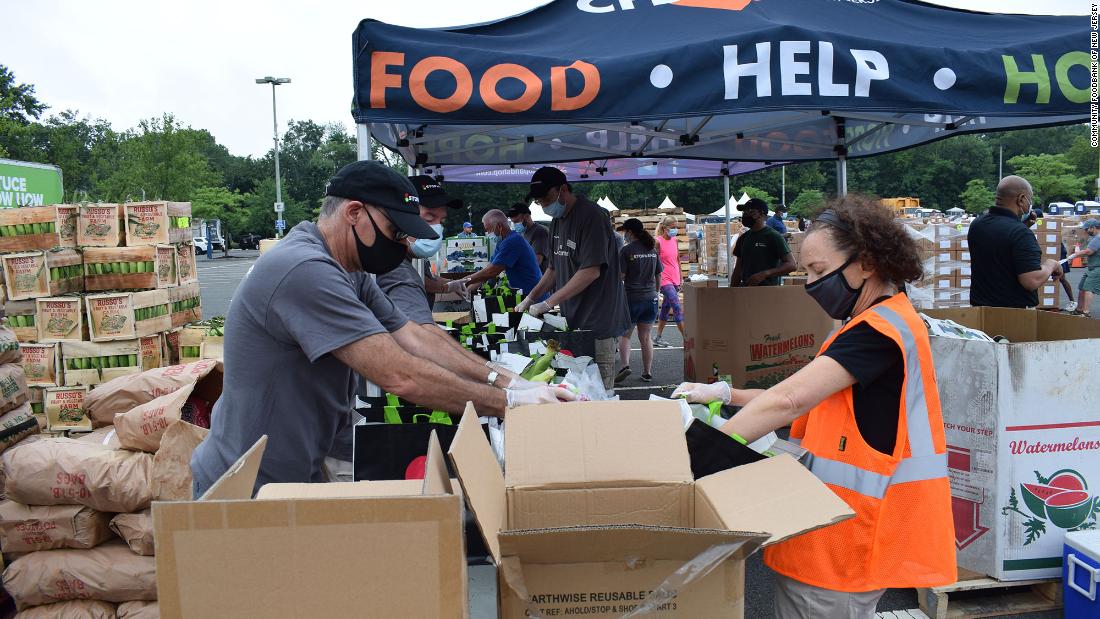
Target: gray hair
{"points": [[332, 204], [495, 217]]}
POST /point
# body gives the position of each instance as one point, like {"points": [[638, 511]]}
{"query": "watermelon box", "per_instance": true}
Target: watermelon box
{"points": [[1023, 437]]}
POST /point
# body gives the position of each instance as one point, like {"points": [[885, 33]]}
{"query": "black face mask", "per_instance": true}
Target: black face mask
{"points": [[748, 220], [383, 256], [833, 293]]}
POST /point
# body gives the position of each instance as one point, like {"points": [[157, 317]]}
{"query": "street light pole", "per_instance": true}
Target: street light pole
{"points": [[280, 224]]}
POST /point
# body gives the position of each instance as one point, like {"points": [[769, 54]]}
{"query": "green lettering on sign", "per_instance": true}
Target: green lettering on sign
{"points": [[1061, 74], [1014, 78]]}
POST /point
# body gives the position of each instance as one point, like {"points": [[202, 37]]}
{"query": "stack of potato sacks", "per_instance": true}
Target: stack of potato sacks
{"points": [[93, 292], [75, 525]]}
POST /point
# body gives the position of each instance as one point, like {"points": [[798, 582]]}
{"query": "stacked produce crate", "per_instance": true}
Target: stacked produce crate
{"points": [[650, 219], [712, 260], [1049, 234], [92, 290], [947, 271]]}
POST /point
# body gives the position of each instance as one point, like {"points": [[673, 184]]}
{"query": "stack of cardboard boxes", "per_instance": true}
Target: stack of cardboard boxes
{"points": [[945, 252], [96, 291], [1048, 231], [712, 258]]}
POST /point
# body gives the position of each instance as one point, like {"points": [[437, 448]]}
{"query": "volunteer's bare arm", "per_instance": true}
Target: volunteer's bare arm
{"points": [[381, 360], [484, 275], [581, 279], [1032, 280], [544, 285], [782, 404]]}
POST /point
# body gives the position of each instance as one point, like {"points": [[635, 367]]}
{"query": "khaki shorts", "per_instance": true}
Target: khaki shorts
{"points": [[606, 353], [1091, 281], [796, 600]]}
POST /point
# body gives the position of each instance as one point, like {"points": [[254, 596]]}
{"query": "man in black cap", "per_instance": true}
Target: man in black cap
{"points": [[307, 318], [535, 233], [762, 253], [584, 267]]}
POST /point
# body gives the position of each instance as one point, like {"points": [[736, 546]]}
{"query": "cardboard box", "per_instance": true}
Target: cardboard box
{"points": [[64, 409], [943, 244], [1048, 224], [99, 225], [336, 550], [944, 257], [597, 508], [756, 336], [28, 228], [960, 243], [1018, 414], [1048, 238], [1052, 251]]}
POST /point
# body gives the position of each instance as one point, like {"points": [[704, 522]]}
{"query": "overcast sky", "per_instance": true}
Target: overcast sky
{"points": [[124, 60]]}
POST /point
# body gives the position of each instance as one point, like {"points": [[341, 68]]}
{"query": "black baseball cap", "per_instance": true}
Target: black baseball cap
{"points": [[372, 183], [519, 209], [543, 180], [755, 204], [432, 194]]}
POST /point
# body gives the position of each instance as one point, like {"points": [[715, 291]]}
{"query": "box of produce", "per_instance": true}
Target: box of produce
{"points": [[99, 225], [92, 363], [19, 316], [60, 318], [186, 270], [41, 364], [166, 266], [190, 343], [67, 217], [28, 228], [120, 268], [152, 351], [66, 270], [64, 408], [172, 347], [126, 315], [186, 304], [25, 275], [154, 223]]}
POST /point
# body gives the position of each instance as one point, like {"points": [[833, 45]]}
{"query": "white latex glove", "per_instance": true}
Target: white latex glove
{"points": [[699, 393], [522, 383], [539, 309], [541, 394], [458, 286], [523, 305]]}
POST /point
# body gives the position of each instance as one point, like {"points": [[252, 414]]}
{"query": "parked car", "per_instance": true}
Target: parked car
{"points": [[249, 241]]}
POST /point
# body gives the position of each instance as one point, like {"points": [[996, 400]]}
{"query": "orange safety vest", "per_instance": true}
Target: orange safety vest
{"points": [[903, 533]]}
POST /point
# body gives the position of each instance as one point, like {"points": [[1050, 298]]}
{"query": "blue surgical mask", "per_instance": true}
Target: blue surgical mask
{"points": [[493, 236], [673, 231], [426, 248], [518, 228], [555, 210]]}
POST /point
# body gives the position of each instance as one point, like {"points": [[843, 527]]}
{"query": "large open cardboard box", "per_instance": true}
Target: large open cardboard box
{"points": [[598, 512], [1021, 419], [756, 336], [363, 549]]}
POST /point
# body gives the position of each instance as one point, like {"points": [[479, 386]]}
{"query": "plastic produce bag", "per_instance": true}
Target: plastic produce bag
{"points": [[109, 572], [587, 384]]}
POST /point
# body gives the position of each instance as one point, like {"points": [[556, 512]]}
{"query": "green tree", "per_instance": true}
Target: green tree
{"points": [[807, 203], [977, 197], [1083, 157], [160, 160], [221, 203], [754, 192], [1052, 177], [18, 104]]}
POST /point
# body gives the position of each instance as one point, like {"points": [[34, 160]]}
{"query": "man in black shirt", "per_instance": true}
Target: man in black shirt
{"points": [[762, 253], [1007, 264]]}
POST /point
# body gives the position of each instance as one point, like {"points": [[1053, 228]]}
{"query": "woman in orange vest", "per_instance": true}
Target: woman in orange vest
{"points": [[867, 411]]}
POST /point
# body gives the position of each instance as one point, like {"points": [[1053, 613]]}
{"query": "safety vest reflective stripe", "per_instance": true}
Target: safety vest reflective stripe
{"points": [[872, 484], [916, 409], [796, 441]]}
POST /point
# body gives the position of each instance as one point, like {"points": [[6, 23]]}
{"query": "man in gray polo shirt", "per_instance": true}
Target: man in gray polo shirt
{"points": [[307, 318], [584, 267]]}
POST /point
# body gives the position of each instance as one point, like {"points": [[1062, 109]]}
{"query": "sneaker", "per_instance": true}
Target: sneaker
{"points": [[661, 342], [623, 373], [647, 377]]}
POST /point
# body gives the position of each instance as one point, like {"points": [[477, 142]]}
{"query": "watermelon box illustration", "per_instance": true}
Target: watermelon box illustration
{"points": [[1062, 499]]}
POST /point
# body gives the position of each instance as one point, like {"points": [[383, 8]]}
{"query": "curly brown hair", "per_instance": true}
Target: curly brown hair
{"points": [[868, 229]]}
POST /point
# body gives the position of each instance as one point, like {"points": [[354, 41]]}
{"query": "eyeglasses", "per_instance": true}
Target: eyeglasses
{"points": [[397, 234]]}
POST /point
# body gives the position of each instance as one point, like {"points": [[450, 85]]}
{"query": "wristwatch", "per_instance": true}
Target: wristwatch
{"points": [[492, 378]]}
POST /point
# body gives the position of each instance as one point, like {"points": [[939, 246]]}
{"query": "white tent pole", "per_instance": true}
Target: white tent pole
{"points": [[783, 185], [362, 134], [726, 190], [841, 176]]}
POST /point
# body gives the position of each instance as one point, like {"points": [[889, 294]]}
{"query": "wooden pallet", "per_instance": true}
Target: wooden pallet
{"points": [[977, 595]]}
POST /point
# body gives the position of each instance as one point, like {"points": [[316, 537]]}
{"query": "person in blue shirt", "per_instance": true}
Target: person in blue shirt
{"points": [[513, 256], [467, 231], [775, 222]]}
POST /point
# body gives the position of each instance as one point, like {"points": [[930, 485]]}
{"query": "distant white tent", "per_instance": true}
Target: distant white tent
{"points": [[537, 214], [667, 204], [956, 211], [734, 203], [607, 204]]}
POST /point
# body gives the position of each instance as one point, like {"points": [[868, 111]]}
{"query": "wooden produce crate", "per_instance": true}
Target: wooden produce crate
{"points": [[42, 364], [121, 268], [153, 354], [66, 221], [92, 363], [19, 316], [190, 343], [977, 595], [157, 223], [60, 318], [167, 275], [99, 225], [28, 228], [66, 271], [26, 275], [36, 398], [186, 304], [172, 346], [187, 271], [64, 408], [127, 315], [213, 347]]}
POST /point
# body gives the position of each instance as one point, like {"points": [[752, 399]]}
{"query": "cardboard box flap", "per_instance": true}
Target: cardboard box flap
{"points": [[620, 543], [436, 479], [238, 481], [480, 477], [778, 496], [342, 490], [587, 443]]}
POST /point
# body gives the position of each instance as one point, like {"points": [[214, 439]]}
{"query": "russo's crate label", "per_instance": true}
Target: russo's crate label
{"points": [[166, 266], [111, 315], [145, 222], [152, 353], [100, 222], [58, 317], [26, 275], [67, 219], [39, 365], [65, 407]]}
